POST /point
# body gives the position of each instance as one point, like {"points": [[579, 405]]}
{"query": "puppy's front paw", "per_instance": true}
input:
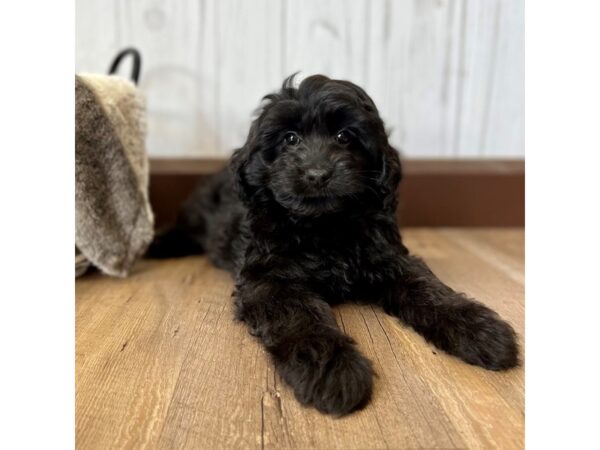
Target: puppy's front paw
{"points": [[480, 337], [331, 376]]}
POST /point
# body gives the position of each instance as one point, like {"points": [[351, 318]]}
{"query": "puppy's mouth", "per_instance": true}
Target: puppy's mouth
{"points": [[308, 204], [319, 200], [316, 199]]}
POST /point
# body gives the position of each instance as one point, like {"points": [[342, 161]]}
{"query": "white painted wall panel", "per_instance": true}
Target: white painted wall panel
{"points": [[447, 75]]}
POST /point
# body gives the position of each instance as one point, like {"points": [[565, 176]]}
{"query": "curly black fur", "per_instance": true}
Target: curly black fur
{"points": [[305, 217]]}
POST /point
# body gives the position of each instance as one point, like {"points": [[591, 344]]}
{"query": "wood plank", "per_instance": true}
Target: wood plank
{"points": [[162, 364], [505, 123], [176, 42], [93, 54], [125, 325], [325, 37], [412, 50], [249, 64]]}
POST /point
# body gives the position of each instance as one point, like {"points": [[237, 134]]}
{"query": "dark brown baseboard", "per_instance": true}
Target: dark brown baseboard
{"points": [[433, 192]]}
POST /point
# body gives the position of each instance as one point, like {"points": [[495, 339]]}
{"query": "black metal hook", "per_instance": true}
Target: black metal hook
{"points": [[137, 63]]}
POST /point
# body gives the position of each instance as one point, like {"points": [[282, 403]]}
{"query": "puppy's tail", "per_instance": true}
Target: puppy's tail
{"points": [[174, 243]]}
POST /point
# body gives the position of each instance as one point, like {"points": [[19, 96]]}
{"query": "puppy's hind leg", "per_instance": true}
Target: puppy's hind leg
{"points": [[449, 320], [188, 235], [173, 243]]}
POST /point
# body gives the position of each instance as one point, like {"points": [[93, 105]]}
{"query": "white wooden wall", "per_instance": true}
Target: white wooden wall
{"points": [[447, 75]]}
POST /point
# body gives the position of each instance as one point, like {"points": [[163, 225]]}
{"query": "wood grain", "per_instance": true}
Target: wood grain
{"points": [[446, 75], [161, 363]]}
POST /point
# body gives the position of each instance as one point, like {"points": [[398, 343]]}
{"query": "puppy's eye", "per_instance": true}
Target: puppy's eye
{"points": [[342, 137], [291, 139]]}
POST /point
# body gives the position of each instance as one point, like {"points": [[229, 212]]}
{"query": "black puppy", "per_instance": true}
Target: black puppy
{"points": [[305, 217]]}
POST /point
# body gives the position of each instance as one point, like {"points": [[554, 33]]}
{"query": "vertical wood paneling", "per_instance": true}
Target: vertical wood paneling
{"points": [[406, 72], [506, 118], [326, 37], [94, 19], [447, 75], [172, 38], [479, 69], [249, 52]]}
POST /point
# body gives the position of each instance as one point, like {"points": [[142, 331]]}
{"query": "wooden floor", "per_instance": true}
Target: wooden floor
{"points": [[161, 363]]}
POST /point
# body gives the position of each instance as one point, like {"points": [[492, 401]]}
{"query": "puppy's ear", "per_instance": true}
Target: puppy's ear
{"points": [[247, 165], [391, 174], [241, 165]]}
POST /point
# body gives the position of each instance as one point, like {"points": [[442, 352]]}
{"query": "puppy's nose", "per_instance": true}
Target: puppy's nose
{"points": [[318, 175]]}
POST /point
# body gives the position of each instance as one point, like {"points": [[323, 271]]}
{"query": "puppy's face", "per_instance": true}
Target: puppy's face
{"points": [[316, 158], [316, 149]]}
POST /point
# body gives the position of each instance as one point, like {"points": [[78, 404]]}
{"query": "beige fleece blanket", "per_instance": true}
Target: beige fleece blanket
{"points": [[114, 221]]}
